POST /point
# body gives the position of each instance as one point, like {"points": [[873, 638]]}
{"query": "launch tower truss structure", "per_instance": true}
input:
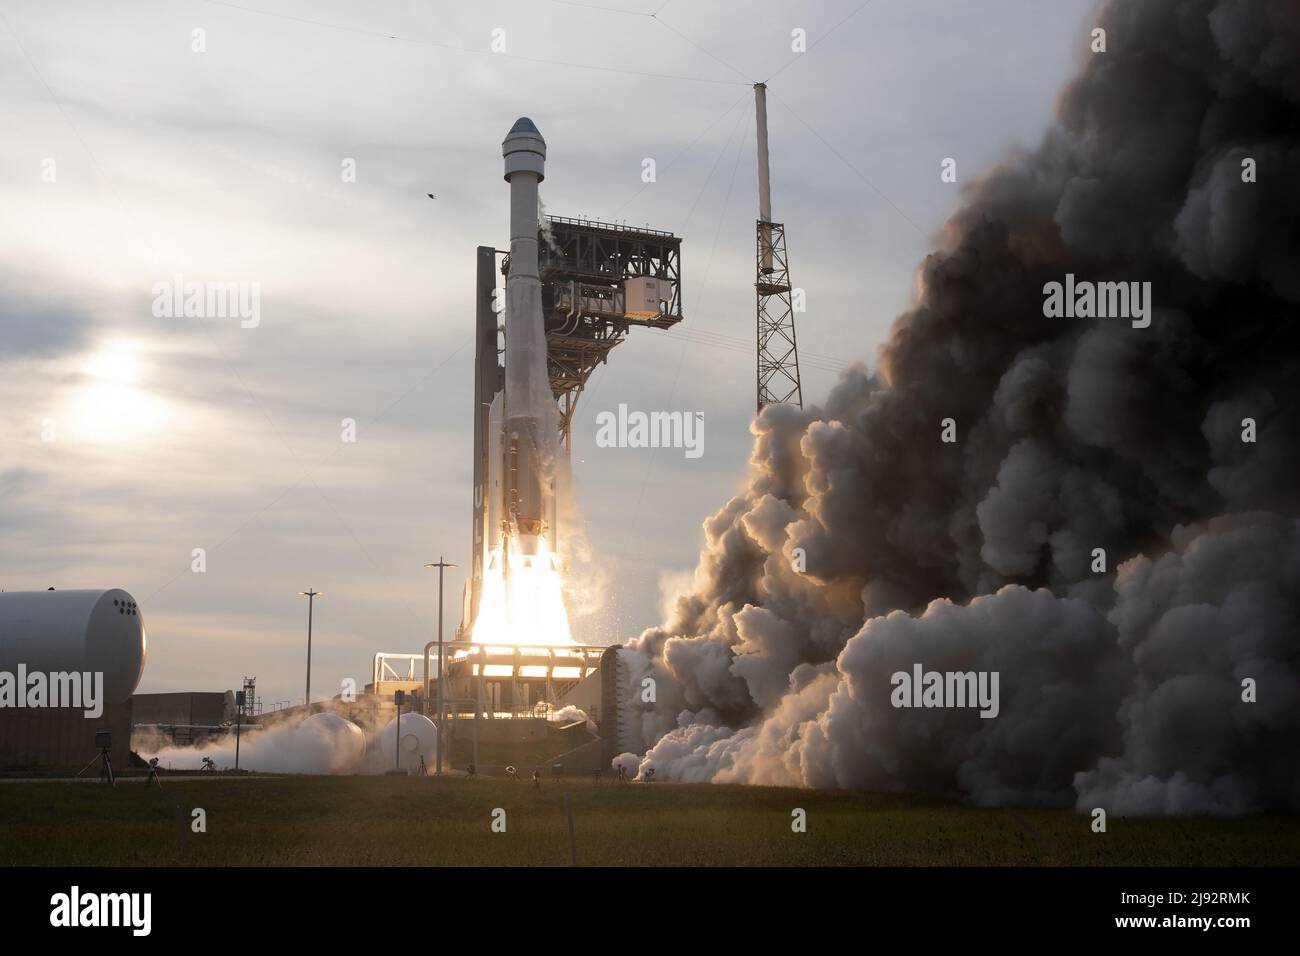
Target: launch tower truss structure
{"points": [[598, 280], [778, 353]]}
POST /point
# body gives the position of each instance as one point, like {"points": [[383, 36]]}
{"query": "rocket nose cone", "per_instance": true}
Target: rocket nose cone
{"points": [[525, 135], [524, 149]]}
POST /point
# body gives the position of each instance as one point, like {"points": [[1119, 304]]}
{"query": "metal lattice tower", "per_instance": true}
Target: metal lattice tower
{"points": [[588, 270], [778, 351]]}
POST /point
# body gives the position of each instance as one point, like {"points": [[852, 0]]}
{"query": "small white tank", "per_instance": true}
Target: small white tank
{"points": [[96, 631], [346, 741], [419, 738]]}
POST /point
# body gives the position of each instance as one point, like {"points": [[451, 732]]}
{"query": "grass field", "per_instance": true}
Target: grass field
{"points": [[358, 821]]}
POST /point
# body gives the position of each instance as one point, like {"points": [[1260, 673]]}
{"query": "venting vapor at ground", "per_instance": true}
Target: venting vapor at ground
{"points": [[323, 743], [1120, 688]]}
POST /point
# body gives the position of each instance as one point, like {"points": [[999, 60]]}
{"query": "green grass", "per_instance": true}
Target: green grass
{"points": [[359, 821], [524, 754]]}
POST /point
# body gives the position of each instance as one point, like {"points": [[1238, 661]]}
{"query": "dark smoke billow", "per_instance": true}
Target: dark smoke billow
{"points": [[1120, 689]]}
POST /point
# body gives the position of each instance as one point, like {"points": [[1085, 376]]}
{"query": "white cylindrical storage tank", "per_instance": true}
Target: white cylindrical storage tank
{"points": [[419, 738], [66, 631], [346, 741]]}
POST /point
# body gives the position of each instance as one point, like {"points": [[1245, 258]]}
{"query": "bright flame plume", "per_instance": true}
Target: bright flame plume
{"points": [[524, 606]]}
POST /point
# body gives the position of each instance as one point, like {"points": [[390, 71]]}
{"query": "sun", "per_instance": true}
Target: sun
{"points": [[110, 403]]}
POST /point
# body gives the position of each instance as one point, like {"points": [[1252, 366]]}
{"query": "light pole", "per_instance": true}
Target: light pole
{"points": [[311, 596], [442, 566], [239, 722], [399, 697]]}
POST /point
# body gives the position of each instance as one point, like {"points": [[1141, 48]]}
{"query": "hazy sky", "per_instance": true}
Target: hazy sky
{"points": [[127, 159]]}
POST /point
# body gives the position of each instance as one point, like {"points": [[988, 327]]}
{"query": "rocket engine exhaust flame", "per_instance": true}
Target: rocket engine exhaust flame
{"points": [[523, 599]]}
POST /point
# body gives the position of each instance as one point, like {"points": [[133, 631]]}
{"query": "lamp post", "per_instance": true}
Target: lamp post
{"points": [[239, 722], [311, 596], [442, 566], [399, 697]]}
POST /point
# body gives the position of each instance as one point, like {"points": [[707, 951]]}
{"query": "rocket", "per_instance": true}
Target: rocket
{"points": [[525, 424]]}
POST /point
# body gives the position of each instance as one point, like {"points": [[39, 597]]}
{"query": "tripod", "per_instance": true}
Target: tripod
{"points": [[105, 766]]}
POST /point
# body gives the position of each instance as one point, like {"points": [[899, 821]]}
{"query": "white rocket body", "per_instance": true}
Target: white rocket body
{"points": [[529, 426]]}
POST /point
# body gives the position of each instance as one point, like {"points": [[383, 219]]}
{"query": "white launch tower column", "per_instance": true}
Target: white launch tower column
{"points": [[764, 177]]}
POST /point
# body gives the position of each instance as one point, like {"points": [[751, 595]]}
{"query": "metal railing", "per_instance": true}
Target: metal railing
{"points": [[383, 668], [611, 226]]}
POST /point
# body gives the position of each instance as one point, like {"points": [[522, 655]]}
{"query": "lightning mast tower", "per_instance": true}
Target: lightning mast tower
{"points": [[778, 352]]}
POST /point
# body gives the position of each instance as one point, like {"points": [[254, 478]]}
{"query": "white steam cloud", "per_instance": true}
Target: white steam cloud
{"points": [[324, 743]]}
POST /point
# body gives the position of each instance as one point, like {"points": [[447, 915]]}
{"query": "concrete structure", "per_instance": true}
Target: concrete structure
{"points": [[61, 740], [184, 708], [182, 718]]}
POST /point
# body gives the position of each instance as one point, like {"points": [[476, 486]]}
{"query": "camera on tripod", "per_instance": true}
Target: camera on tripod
{"points": [[104, 744]]}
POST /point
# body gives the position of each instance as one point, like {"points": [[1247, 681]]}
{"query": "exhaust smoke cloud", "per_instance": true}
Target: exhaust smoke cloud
{"points": [[324, 743], [1113, 531]]}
